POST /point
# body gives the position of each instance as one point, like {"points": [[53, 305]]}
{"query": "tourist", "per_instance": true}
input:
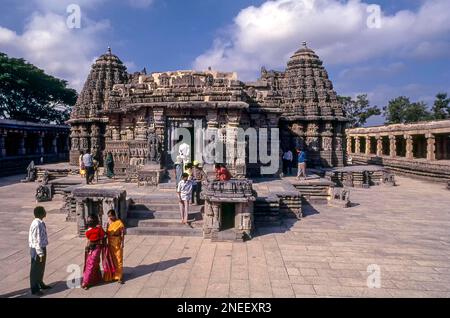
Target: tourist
{"points": [[109, 162], [198, 176], [116, 240], [184, 191], [81, 165], [188, 168], [95, 167], [184, 151], [287, 162], [178, 170], [88, 163], [38, 241], [222, 173], [94, 248], [301, 160]]}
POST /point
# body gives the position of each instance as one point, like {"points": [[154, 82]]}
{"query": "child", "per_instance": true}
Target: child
{"points": [[199, 176], [184, 191], [38, 241]]}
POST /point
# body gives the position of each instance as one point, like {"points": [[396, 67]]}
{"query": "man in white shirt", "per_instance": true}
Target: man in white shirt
{"points": [[184, 191], [88, 163], [184, 152], [38, 241], [287, 162]]}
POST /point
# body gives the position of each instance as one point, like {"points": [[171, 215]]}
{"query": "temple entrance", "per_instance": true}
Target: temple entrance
{"points": [[172, 137], [227, 216]]}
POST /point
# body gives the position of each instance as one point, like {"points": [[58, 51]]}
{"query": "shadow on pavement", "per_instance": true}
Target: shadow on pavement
{"points": [[131, 273]]}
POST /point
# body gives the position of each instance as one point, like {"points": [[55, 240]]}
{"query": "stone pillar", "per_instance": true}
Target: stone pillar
{"points": [[212, 125], [40, 145], [2, 143], [81, 216], [74, 136], [392, 146], [21, 149], [431, 147], [379, 146], [409, 147], [368, 145], [160, 129], [55, 143], [326, 153], [357, 144], [312, 141], [75, 145], [349, 144], [231, 138]]}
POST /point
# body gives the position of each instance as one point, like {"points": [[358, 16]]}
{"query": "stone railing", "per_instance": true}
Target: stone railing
{"points": [[241, 188]]}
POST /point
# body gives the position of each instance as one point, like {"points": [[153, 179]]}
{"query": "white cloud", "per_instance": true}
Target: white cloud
{"points": [[48, 43], [337, 30]]}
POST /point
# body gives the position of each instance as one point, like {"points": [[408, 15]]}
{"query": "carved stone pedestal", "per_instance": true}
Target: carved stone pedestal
{"points": [[339, 198], [221, 199], [98, 200], [150, 175]]}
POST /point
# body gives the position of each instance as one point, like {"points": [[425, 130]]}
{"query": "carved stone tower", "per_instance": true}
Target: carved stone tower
{"points": [[87, 122], [312, 115]]}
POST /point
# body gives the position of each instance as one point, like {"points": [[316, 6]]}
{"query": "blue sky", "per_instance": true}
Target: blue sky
{"points": [[409, 54]]}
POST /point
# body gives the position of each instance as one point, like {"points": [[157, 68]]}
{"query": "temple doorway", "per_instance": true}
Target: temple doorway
{"points": [[194, 140], [227, 216]]}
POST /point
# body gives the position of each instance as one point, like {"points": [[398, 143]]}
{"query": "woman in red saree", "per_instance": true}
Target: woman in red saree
{"points": [[222, 173], [116, 239], [95, 249]]}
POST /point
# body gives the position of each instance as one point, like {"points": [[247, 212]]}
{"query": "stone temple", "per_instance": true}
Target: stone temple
{"points": [[124, 113]]}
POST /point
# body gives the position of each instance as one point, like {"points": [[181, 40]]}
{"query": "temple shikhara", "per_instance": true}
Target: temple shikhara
{"points": [[134, 116]]}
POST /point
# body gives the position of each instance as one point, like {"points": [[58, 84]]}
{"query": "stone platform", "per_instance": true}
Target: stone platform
{"points": [[360, 176], [326, 254]]}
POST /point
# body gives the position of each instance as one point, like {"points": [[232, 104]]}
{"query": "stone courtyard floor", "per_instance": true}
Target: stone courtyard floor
{"points": [[405, 231]]}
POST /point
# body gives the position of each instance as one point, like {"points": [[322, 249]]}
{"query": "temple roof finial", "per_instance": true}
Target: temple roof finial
{"points": [[305, 44], [109, 50]]}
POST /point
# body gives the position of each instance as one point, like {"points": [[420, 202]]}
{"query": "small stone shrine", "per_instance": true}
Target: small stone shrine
{"points": [[96, 200], [228, 210]]}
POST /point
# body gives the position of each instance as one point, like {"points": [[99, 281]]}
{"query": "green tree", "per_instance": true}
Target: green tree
{"points": [[401, 110], [441, 107], [417, 112], [394, 111], [28, 94], [358, 111]]}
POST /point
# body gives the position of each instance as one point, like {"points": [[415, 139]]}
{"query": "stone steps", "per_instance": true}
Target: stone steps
{"points": [[159, 214], [169, 215], [160, 223], [169, 231], [167, 186]]}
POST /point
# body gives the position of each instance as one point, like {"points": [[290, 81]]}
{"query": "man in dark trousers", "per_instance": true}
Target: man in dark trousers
{"points": [[198, 176], [88, 163], [38, 241]]}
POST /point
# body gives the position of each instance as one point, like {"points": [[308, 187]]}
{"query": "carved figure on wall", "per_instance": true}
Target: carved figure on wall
{"points": [[154, 148]]}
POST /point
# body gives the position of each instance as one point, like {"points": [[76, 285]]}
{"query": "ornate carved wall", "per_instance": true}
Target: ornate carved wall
{"points": [[117, 112]]}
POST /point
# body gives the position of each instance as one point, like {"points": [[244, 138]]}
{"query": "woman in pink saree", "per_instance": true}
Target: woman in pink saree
{"points": [[96, 249]]}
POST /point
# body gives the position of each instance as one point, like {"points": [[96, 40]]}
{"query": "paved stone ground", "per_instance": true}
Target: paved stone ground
{"points": [[404, 230]]}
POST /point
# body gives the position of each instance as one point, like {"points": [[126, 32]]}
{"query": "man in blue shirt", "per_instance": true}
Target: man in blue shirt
{"points": [[301, 159]]}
